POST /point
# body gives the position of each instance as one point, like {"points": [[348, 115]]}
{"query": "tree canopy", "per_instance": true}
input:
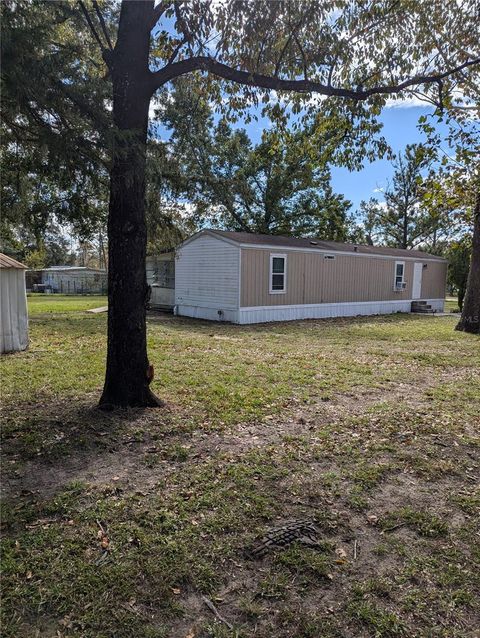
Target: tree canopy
{"points": [[279, 186], [55, 124], [410, 215]]}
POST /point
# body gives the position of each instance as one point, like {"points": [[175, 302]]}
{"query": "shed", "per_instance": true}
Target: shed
{"points": [[13, 311], [251, 278]]}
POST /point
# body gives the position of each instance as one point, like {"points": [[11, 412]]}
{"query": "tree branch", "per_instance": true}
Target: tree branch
{"points": [[185, 31], [171, 59], [102, 23], [91, 25], [157, 13], [203, 63]]}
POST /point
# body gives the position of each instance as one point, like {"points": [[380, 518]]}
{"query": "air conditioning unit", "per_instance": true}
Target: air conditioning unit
{"points": [[400, 286]]}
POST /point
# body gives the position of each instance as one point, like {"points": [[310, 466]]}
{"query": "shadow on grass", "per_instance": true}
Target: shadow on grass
{"points": [[43, 443]]}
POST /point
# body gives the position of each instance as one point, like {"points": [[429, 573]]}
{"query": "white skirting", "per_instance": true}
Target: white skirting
{"points": [[212, 314], [322, 311], [263, 314]]}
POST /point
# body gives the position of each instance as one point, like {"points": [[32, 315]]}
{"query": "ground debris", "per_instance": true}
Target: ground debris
{"points": [[302, 531]]}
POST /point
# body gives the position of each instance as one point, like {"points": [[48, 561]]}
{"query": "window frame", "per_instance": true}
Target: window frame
{"points": [[397, 263], [270, 279]]}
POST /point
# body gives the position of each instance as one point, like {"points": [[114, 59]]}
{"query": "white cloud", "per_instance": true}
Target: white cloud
{"points": [[406, 102]]}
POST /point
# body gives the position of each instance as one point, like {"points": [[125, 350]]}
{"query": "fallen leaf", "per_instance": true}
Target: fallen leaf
{"points": [[340, 552], [176, 591]]}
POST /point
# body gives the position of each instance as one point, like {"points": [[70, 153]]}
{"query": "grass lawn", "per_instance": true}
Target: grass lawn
{"points": [[122, 524]]}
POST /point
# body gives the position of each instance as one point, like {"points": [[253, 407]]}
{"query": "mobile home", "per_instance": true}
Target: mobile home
{"points": [[249, 278], [68, 280]]}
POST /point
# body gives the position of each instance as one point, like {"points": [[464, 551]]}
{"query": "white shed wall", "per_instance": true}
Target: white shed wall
{"points": [[207, 279], [13, 310]]}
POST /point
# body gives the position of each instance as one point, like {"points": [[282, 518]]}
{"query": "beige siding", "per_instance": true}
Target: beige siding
{"points": [[433, 280], [312, 279]]}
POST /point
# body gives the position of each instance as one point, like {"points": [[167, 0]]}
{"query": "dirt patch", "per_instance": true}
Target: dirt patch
{"points": [[119, 445]]}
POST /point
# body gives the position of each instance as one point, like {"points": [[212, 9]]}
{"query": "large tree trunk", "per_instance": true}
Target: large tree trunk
{"points": [[470, 320], [128, 375]]}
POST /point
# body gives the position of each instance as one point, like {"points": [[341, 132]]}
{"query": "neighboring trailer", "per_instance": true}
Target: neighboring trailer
{"points": [[248, 278], [13, 307], [68, 280]]}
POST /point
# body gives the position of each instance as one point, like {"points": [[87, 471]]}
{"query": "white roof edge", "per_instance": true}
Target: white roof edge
{"points": [[210, 233]]}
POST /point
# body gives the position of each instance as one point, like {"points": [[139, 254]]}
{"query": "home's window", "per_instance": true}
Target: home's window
{"points": [[165, 274], [278, 273], [399, 275]]}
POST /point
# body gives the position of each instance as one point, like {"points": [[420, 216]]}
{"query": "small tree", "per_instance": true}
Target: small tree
{"points": [[404, 220]]}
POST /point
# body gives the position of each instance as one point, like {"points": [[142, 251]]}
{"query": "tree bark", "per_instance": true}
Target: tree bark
{"points": [[470, 320], [128, 373]]}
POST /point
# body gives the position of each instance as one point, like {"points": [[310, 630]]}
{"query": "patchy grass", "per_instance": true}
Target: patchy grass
{"points": [[424, 523], [119, 524]]}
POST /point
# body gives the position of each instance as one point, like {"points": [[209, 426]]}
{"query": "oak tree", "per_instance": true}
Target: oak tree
{"points": [[280, 185], [342, 51]]}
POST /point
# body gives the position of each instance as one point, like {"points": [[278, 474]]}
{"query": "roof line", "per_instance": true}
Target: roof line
{"points": [[243, 244], [352, 253]]}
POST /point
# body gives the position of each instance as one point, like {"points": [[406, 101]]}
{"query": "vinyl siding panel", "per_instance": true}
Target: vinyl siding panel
{"points": [[434, 278], [207, 276], [261, 314], [312, 279]]}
